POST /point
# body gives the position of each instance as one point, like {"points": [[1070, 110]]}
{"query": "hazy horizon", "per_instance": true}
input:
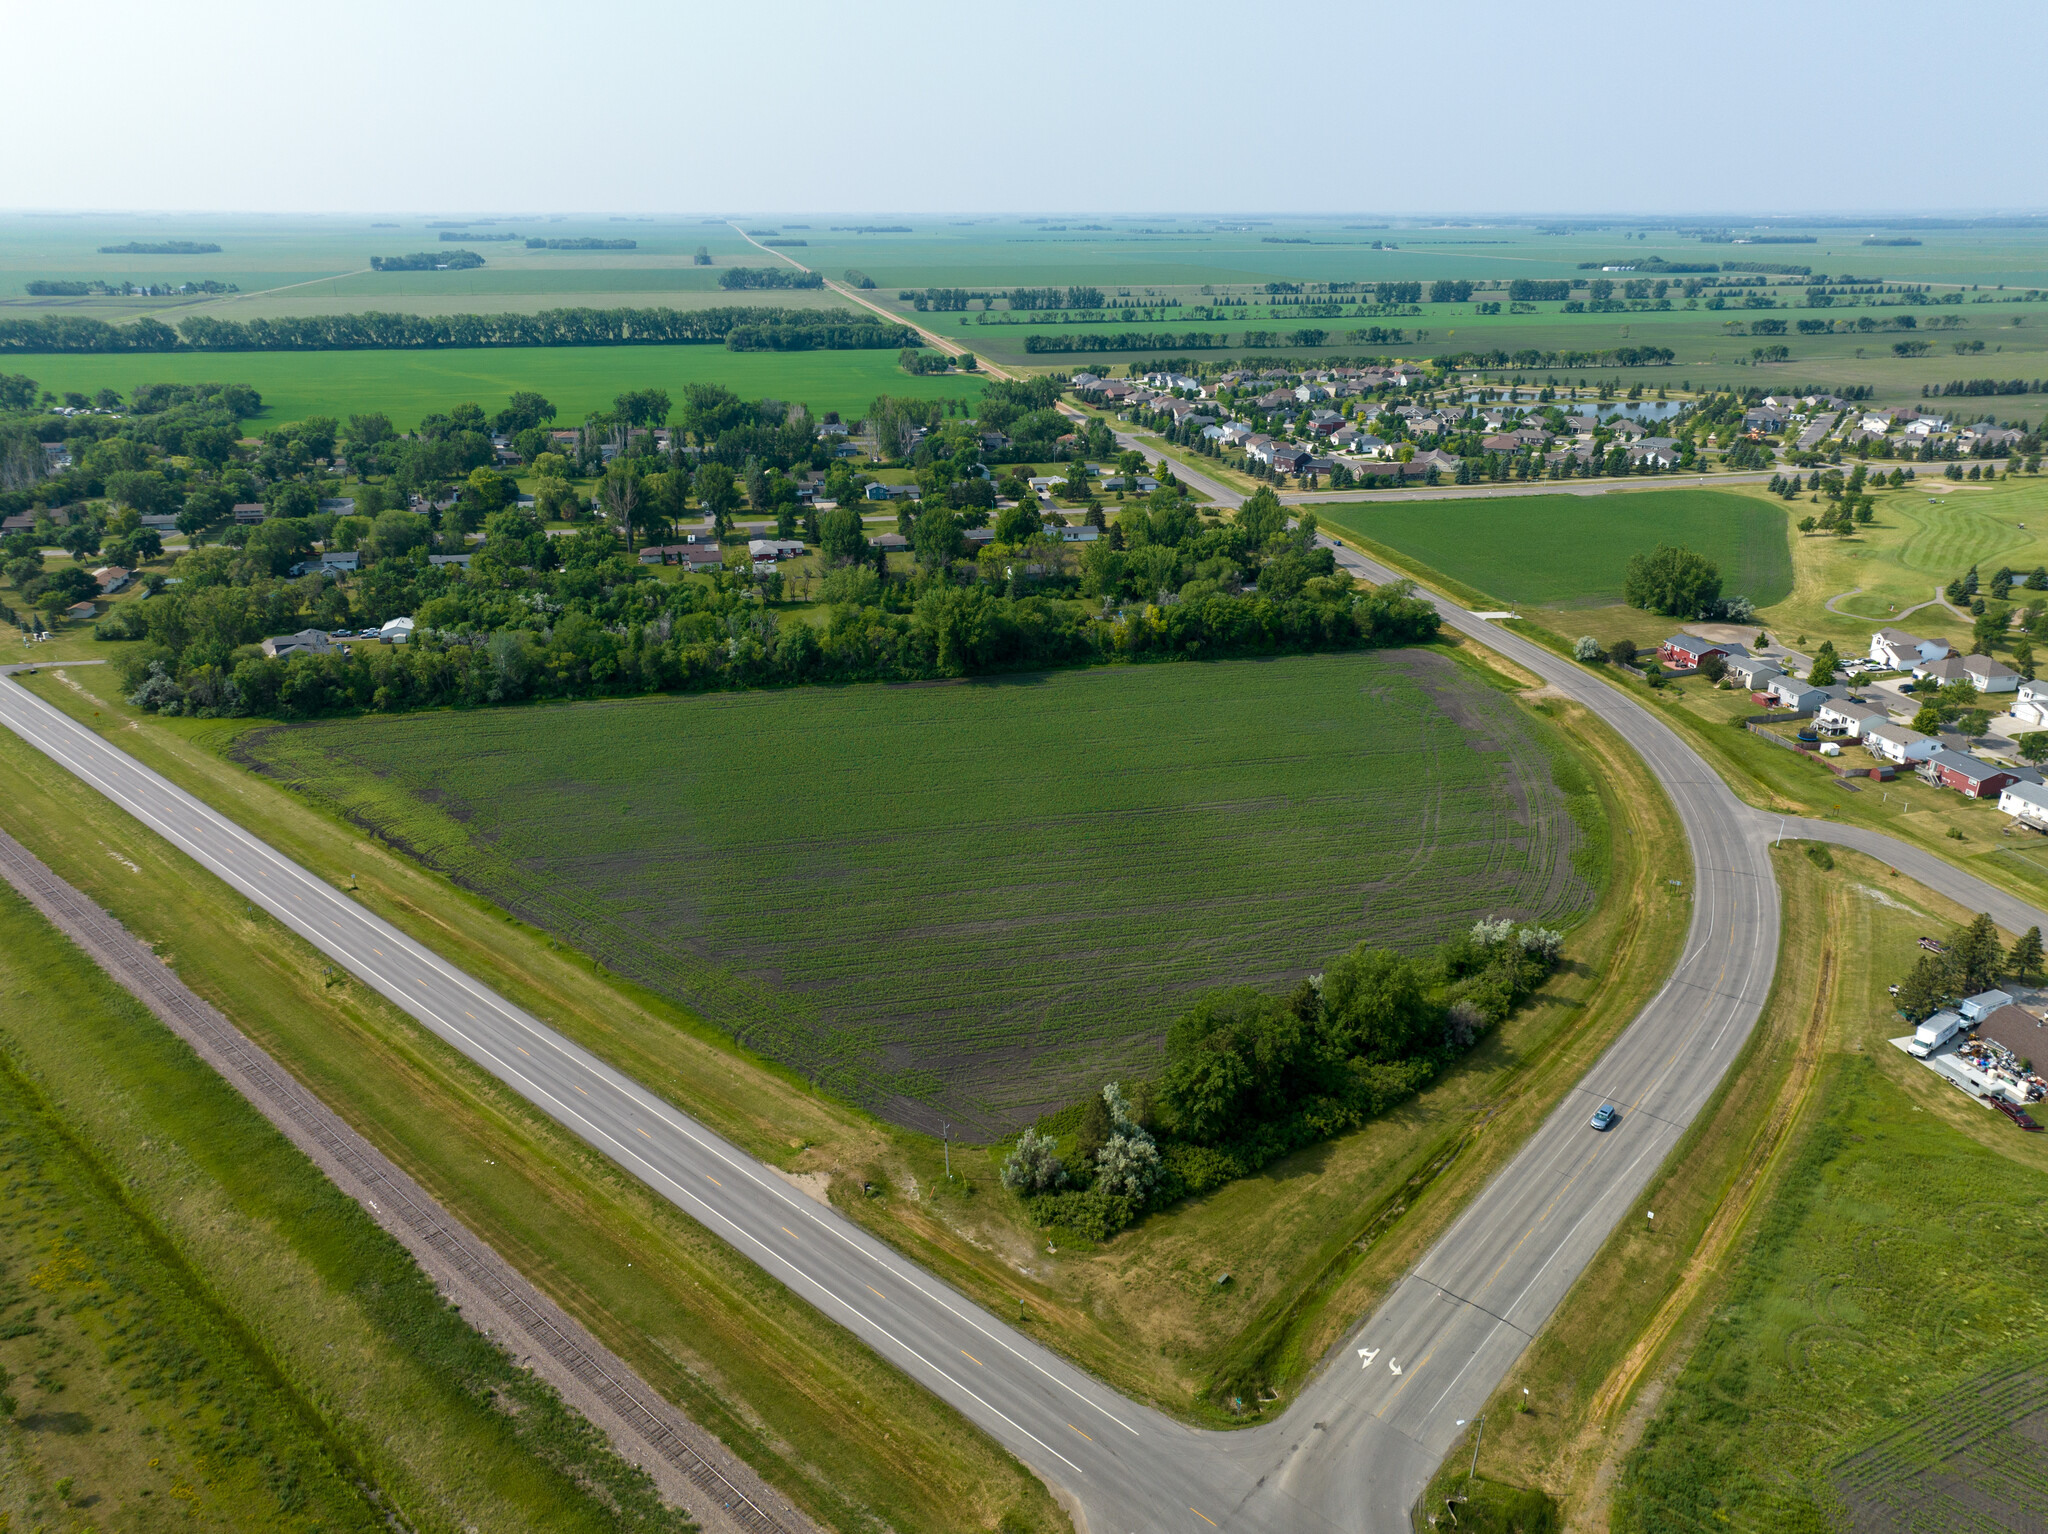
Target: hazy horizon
{"points": [[634, 108]]}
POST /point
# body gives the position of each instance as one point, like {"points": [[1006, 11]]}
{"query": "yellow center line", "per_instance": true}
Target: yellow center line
{"points": [[644, 1132], [707, 1176], [871, 1289], [586, 1094], [522, 1049], [789, 1233], [1205, 1518], [972, 1359], [1072, 1428]]}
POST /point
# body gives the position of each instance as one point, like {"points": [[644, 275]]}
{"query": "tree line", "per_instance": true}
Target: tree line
{"points": [[1250, 1077], [760, 329], [428, 261]]}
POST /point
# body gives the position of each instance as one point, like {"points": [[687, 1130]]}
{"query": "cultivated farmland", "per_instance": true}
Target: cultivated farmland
{"points": [[972, 902], [1573, 550]]}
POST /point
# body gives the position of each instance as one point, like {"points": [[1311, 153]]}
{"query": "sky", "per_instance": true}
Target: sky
{"points": [[773, 106]]}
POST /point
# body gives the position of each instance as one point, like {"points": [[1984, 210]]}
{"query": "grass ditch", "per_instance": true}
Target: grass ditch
{"points": [[1825, 1254], [197, 1324]]}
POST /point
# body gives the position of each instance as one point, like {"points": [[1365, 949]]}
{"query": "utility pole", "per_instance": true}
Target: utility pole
{"points": [[946, 1130]]}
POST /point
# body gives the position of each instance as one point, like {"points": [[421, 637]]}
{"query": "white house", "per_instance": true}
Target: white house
{"points": [[2025, 802], [1754, 671], [774, 548], [1981, 671], [1896, 650], [1843, 716], [1790, 692], [2031, 706], [1897, 744]]}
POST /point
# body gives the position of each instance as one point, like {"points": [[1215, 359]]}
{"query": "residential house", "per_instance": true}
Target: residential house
{"points": [[1323, 422], [661, 553], [1845, 716], [1802, 697], [1359, 442], [1686, 651], [700, 556], [1981, 671], [111, 578], [80, 610], [2031, 706], [1081, 534], [1259, 447], [1753, 671], [459, 561], [1657, 452], [2026, 803], [1897, 650], [249, 513], [304, 642], [1418, 467], [774, 548], [1985, 437], [1289, 459], [891, 543], [1897, 744], [1967, 775]]}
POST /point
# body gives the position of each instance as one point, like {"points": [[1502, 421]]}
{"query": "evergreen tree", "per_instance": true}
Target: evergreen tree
{"points": [[2025, 959], [1925, 990], [1976, 957]]}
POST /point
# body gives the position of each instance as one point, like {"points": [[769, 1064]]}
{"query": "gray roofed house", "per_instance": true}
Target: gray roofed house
{"points": [[304, 642]]}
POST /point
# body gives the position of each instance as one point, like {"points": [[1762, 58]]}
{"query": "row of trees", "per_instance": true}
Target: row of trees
{"points": [[1249, 1076], [1972, 961], [800, 329]]}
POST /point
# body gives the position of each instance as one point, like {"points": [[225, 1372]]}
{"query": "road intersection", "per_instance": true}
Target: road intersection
{"points": [[1355, 1448]]}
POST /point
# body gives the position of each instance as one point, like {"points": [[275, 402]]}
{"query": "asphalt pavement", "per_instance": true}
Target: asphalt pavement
{"points": [[1354, 1449]]}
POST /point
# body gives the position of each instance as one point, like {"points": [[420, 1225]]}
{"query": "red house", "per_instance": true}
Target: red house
{"points": [[1968, 776], [1686, 651]]}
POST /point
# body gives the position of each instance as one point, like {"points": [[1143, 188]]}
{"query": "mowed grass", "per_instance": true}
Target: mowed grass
{"points": [[1573, 550], [975, 902], [578, 379], [196, 1327]]}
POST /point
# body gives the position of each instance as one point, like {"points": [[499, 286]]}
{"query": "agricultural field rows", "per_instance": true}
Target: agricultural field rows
{"points": [[972, 903]]}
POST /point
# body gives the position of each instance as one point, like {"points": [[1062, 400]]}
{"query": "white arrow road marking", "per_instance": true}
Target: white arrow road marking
{"points": [[1368, 1354], [1394, 1364]]}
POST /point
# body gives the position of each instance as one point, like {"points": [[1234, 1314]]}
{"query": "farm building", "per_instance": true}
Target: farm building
{"points": [[1686, 651], [2026, 803], [1981, 671], [1966, 774], [1897, 744], [1897, 650], [396, 631]]}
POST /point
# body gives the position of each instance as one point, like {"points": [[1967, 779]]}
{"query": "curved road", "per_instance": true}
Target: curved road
{"points": [[1354, 1450]]}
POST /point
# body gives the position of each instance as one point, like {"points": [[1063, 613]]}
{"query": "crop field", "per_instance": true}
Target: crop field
{"points": [[1573, 550], [578, 379], [973, 902], [1976, 1459]]}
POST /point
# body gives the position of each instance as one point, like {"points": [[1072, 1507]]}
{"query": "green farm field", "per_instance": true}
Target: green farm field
{"points": [[975, 902], [198, 1330], [578, 379], [1573, 550]]}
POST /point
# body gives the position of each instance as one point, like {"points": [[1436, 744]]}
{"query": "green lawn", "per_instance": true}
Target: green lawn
{"points": [[976, 901], [578, 379], [197, 1328], [1573, 550]]}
